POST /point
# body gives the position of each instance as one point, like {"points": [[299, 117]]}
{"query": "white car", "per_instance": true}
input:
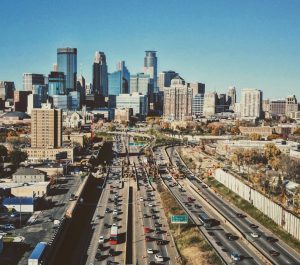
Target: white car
{"points": [[115, 212], [159, 258], [150, 205], [254, 235], [101, 239], [150, 251], [141, 199], [235, 257]]}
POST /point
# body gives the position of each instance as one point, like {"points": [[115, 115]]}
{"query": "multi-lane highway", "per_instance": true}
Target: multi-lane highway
{"points": [[262, 239], [219, 233]]}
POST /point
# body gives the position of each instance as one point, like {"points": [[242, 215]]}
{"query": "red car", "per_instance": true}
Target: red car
{"points": [[190, 199], [148, 238], [147, 230]]}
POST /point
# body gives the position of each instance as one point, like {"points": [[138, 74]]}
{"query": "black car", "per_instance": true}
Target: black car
{"points": [[98, 256], [106, 225], [145, 215], [111, 252], [161, 242], [157, 224]]}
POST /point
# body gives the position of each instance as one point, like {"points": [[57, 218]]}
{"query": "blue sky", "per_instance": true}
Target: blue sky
{"points": [[246, 43]]}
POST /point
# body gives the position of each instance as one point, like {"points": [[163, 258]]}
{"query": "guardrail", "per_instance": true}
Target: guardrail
{"points": [[233, 226]]}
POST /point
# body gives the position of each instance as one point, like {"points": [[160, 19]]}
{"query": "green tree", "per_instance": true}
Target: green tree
{"points": [[17, 156]]}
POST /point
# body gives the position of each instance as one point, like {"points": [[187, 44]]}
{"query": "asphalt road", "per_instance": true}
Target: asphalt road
{"points": [[216, 234], [286, 256]]}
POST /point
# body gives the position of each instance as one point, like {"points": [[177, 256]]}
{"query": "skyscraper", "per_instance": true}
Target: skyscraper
{"points": [[164, 79], [141, 83], [150, 67], [178, 100], [56, 84], [46, 127], [231, 96], [251, 103], [30, 79], [119, 81], [100, 75], [67, 63], [7, 89]]}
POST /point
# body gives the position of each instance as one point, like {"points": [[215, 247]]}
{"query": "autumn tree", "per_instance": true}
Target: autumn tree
{"points": [[255, 137]]}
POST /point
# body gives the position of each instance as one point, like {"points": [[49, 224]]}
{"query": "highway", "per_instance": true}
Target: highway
{"points": [[216, 234], [277, 252]]}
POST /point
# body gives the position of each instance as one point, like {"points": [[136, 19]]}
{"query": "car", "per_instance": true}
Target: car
{"points": [[157, 224], [145, 215], [157, 230], [231, 237], [197, 206], [98, 256], [115, 218], [211, 233], [107, 210], [147, 230], [253, 226], [106, 225], [161, 242], [111, 252], [150, 251], [271, 239], [101, 239], [219, 243], [115, 212], [150, 205], [9, 227], [141, 199], [148, 238], [159, 258], [235, 256], [153, 216], [274, 253], [204, 186], [254, 235], [98, 217], [240, 215]]}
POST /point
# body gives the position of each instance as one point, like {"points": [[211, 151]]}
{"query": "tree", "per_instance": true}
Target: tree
{"points": [[273, 137], [255, 136], [3, 151], [17, 156], [271, 151], [297, 131], [237, 158]]}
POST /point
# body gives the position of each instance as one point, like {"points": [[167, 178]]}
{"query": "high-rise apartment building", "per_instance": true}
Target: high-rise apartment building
{"points": [[119, 81], [291, 105], [150, 67], [46, 127], [30, 79], [56, 84], [7, 89], [67, 63], [277, 107], [178, 100], [198, 88], [251, 103], [20, 100], [100, 75], [164, 79]]}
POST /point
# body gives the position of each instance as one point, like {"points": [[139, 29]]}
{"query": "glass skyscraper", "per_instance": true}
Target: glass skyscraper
{"points": [[30, 79], [67, 63], [119, 81], [56, 84], [100, 75], [150, 67]]}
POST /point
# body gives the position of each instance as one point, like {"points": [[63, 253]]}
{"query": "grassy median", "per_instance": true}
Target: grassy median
{"points": [[191, 245]]}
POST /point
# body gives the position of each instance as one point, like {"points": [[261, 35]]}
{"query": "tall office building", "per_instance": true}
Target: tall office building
{"points": [[150, 67], [197, 107], [80, 87], [291, 105], [135, 101], [198, 88], [30, 79], [251, 103], [178, 100], [210, 103], [141, 83], [46, 127], [56, 84], [67, 63], [38, 96], [100, 75], [119, 81], [20, 100], [7, 89], [231, 96], [164, 79]]}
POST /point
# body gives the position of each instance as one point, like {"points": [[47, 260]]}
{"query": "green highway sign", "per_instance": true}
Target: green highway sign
{"points": [[179, 219], [136, 144]]}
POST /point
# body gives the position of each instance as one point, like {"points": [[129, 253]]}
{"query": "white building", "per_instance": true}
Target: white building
{"points": [[251, 104], [209, 105], [136, 101]]}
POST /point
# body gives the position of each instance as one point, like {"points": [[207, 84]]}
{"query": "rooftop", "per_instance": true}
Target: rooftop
{"points": [[18, 200], [28, 171]]}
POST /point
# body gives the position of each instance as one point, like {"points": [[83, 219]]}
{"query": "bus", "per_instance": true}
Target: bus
{"points": [[37, 254], [206, 220], [113, 240]]}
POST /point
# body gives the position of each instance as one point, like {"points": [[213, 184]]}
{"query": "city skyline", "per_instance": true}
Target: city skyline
{"points": [[248, 45]]}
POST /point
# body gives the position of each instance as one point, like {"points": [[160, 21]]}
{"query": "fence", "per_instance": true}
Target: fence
{"points": [[285, 219]]}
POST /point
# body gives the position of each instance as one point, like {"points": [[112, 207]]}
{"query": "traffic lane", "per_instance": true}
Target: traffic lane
{"points": [[244, 225], [220, 234], [232, 246]]}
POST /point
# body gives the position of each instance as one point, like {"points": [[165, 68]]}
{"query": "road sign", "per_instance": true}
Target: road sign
{"points": [[136, 144], [179, 219]]}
